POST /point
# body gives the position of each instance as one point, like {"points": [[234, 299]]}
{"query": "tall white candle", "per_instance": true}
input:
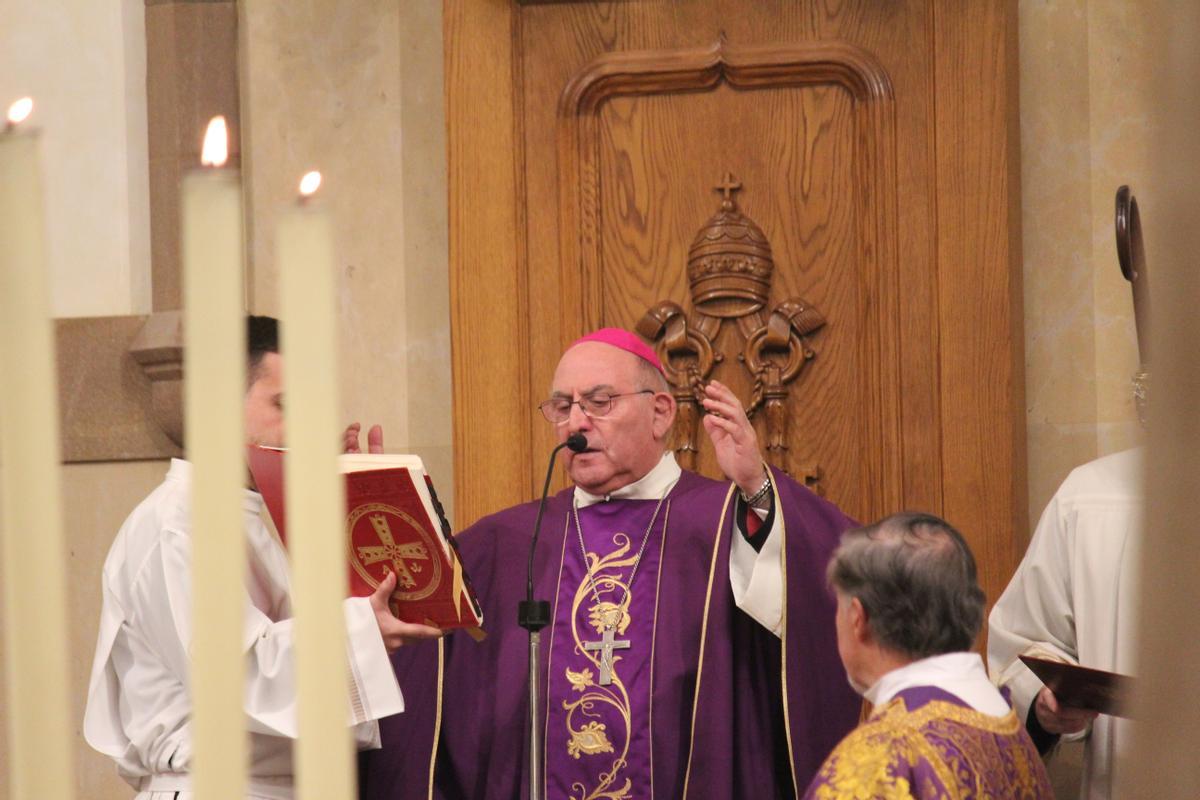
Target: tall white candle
{"points": [[35, 592], [214, 391], [316, 502]]}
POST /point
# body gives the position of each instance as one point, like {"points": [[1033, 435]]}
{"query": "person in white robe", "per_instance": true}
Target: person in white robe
{"points": [[1074, 594], [139, 711]]}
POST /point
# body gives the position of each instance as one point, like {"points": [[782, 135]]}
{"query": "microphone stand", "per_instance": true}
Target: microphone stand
{"points": [[533, 615]]}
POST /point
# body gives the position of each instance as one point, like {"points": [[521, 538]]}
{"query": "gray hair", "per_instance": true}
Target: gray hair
{"points": [[651, 378], [916, 579]]}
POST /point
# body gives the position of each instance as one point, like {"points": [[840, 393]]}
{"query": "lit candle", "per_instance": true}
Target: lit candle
{"points": [[215, 387], [35, 592], [316, 504]]}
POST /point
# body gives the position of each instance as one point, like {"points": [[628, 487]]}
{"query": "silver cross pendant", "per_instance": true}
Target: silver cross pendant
{"points": [[606, 645]]}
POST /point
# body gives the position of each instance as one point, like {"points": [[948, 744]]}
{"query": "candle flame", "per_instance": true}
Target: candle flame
{"points": [[216, 144], [310, 183], [20, 110]]}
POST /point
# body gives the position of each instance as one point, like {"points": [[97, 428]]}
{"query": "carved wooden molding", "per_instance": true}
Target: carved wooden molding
{"points": [[808, 64], [730, 271], [703, 69]]}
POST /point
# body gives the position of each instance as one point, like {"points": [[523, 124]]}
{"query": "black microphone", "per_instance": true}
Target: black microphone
{"points": [[533, 615]]}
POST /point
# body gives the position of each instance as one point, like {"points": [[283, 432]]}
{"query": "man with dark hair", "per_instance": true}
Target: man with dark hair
{"points": [[908, 610], [139, 709]]}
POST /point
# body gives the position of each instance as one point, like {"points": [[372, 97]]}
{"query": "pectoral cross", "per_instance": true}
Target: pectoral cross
{"points": [[606, 646]]}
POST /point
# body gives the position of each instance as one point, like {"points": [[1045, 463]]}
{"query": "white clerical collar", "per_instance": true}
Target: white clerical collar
{"points": [[651, 486], [960, 674]]}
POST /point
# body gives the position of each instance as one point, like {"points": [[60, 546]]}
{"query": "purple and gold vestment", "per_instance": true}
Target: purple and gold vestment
{"points": [[705, 702], [925, 743]]}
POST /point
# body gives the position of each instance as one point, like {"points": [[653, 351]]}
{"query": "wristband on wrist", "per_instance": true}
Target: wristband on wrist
{"points": [[759, 495]]}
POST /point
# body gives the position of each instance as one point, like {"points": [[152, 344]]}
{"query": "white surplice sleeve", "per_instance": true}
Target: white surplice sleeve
{"points": [[139, 710], [270, 696], [1036, 608], [756, 577]]}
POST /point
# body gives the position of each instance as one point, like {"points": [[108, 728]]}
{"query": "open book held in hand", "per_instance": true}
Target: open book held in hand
{"points": [[394, 523], [1080, 687]]}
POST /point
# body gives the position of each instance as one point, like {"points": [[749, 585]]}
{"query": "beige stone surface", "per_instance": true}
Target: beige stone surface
{"points": [[1162, 761], [83, 62], [106, 400], [191, 77], [1085, 125], [426, 241], [96, 500], [361, 102], [1122, 119]]}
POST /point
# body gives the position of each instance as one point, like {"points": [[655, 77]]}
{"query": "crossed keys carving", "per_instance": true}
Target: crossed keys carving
{"points": [[387, 550], [729, 270]]}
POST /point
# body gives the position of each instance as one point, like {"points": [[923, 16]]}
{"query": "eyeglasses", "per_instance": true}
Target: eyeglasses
{"points": [[598, 404]]}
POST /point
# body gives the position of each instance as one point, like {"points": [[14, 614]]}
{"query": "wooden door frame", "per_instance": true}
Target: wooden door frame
{"points": [[979, 398]]}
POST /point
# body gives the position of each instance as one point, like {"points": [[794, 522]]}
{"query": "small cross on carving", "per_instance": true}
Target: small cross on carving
{"points": [[727, 187]]}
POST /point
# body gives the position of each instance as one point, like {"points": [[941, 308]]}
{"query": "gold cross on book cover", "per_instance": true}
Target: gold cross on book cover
{"points": [[394, 524]]}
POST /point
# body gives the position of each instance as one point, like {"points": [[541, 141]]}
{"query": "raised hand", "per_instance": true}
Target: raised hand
{"points": [[350, 442], [395, 633], [733, 438]]}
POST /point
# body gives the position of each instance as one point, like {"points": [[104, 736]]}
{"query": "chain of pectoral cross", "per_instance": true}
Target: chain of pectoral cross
{"points": [[608, 641]]}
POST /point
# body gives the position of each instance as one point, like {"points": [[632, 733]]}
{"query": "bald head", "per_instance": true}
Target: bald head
{"points": [[626, 442]]}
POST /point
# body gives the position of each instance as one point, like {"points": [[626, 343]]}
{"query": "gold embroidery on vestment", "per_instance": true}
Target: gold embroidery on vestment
{"points": [[589, 737], [870, 760], [580, 680]]}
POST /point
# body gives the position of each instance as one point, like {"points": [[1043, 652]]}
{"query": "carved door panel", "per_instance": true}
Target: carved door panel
{"points": [[800, 199]]}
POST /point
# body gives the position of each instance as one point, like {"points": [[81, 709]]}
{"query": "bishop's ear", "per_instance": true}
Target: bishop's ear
{"points": [[664, 414]]}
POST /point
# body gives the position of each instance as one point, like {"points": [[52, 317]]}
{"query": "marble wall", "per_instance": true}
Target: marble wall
{"points": [[359, 97], [1086, 120], [84, 63]]}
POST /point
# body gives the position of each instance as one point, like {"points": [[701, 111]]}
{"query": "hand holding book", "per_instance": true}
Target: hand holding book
{"points": [[1059, 719], [396, 535], [395, 632], [1074, 694]]}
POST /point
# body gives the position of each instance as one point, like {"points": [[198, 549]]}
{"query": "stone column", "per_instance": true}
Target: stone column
{"points": [[1163, 761], [191, 76]]}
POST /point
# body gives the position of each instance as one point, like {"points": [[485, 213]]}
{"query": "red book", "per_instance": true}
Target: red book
{"points": [[394, 523]]}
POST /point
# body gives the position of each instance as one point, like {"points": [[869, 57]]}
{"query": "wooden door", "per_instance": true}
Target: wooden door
{"points": [[871, 145]]}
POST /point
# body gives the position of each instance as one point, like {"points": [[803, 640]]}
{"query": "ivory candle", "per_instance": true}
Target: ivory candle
{"points": [[35, 591], [316, 501], [214, 391]]}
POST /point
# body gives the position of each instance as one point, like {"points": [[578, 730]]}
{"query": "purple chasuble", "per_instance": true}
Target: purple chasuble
{"points": [[598, 735], [718, 706], [926, 743]]}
